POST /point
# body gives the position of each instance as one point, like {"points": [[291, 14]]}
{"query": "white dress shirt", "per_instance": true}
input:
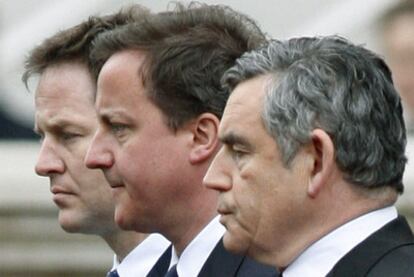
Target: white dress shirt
{"points": [[319, 258], [142, 258], [196, 253]]}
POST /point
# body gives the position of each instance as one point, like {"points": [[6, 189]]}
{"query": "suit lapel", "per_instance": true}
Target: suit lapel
{"points": [[219, 263], [222, 263], [361, 258]]}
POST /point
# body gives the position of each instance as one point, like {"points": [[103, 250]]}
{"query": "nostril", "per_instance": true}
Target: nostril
{"points": [[49, 164], [92, 164], [96, 161], [88, 161], [91, 161], [48, 169], [39, 171]]}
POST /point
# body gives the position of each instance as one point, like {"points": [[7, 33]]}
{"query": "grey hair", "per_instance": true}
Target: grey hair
{"points": [[344, 89]]}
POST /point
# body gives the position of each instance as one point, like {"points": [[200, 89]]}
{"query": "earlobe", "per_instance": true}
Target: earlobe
{"points": [[324, 161], [205, 138]]}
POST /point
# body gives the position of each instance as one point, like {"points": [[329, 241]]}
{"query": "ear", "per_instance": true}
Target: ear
{"points": [[324, 161], [204, 138]]}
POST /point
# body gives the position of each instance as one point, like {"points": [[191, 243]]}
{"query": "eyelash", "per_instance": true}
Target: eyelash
{"points": [[236, 153], [117, 128], [66, 136]]}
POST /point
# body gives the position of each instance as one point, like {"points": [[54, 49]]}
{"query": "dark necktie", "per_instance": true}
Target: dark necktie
{"points": [[112, 273], [161, 266], [172, 272]]}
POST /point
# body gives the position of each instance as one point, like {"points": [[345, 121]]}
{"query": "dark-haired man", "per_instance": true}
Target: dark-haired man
{"points": [[159, 103], [66, 120]]}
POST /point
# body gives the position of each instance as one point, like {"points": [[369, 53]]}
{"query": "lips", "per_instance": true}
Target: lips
{"points": [[60, 190], [225, 216], [223, 210], [113, 182], [115, 185], [62, 196]]}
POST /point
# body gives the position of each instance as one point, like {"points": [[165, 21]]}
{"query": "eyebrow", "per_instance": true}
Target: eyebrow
{"points": [[59, 125], [107, 115], [235, 139]]}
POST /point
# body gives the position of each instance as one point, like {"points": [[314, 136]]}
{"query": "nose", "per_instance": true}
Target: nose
{"points": [[49, 162], [99, 154], [217, 176]]}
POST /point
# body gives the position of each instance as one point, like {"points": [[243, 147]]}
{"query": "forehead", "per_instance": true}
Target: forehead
{"points": [[122, 69], [245, 103], [120, 78], [63, 81], [64, 95]]}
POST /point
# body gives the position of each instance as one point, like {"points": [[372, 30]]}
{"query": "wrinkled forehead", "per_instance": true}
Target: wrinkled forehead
{"points": [[65, 80], [246, 101]]}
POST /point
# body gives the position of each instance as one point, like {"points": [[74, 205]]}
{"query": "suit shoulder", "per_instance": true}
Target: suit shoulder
{"points": [[396, 262]]}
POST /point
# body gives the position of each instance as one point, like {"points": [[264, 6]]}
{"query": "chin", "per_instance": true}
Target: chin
{"points": [[70, 226], [123, 220], [72, 223], [234, 244]]}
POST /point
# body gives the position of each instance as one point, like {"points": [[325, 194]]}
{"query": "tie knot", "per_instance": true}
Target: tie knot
{"points": [[172, 272], [112, 273]]}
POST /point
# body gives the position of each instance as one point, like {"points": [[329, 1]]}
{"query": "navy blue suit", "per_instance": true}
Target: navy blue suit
{"points": [[220, 263], [387, 252]]}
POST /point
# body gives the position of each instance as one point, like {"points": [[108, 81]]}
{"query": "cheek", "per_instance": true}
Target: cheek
{"points": [[259, 193], [247, 200], [95, 190], [133, 159], [142, 170], [152, 160]]}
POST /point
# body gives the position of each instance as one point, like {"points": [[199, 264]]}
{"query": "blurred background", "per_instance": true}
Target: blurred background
{"points": [[31, 241]]}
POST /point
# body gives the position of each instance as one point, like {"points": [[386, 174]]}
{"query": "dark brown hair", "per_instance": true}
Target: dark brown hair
{"points": [[74, 43], [187, 51]]}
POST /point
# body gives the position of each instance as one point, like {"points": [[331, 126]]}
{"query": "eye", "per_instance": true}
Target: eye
{"points": [[117, 128], [237, 152], [68, 136]]}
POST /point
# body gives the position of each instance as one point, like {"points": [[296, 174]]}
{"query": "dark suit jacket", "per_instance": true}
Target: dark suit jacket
{"points": [[389, 252], [220, 263]]}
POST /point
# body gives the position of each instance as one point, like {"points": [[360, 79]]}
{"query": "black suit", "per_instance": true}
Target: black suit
{"points": [[389, 252], [220, 263]]}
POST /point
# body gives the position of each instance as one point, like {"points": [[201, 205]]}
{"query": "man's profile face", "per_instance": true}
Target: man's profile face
{"points": [[66, 120], [399, 46], [141, 157], [260, 199]]}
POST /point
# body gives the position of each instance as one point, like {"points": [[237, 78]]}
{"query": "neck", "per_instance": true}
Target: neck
{"points": [[193, 220], [180, 243], [195, 214], [123, 242]]}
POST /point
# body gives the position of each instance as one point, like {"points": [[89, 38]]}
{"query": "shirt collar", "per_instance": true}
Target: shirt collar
{"points": [[196, 253], [321, 256], [143, 257]]}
